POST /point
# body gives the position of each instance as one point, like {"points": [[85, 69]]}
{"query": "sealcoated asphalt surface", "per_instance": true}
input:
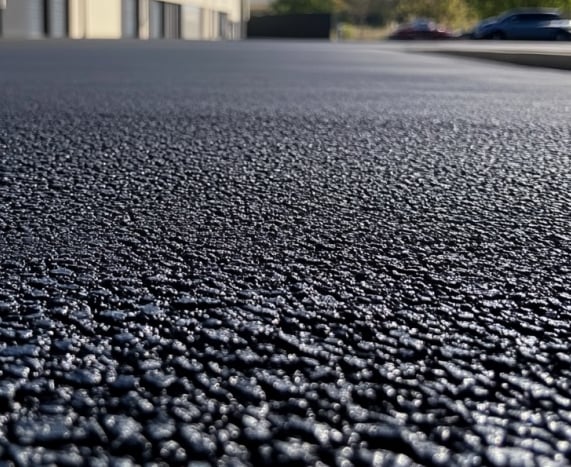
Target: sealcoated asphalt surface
{"points": [[282, 253]]}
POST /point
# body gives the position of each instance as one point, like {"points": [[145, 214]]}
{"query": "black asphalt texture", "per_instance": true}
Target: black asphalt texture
{"points": [[282, 254]]}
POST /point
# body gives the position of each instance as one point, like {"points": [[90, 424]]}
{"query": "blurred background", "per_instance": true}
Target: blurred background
{"points": [[236, 19], [376, 19], [129, 19]]}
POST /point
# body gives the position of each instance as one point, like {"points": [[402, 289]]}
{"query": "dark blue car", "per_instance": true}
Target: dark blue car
{"points": [[529, 24]]}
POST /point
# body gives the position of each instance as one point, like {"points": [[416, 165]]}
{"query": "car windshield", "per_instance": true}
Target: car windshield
{"points": [[422, 25], [528, 17], [537, 17]]}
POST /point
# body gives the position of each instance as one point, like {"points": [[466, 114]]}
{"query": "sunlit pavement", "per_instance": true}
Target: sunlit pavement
{"points": [[547, 47], [282, 253], [556, 55]]}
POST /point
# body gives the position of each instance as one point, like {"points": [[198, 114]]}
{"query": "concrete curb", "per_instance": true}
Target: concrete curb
{"points": [[534, 59]]}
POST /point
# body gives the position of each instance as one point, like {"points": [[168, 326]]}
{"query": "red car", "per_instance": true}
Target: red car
{"points": [[421, 30]]}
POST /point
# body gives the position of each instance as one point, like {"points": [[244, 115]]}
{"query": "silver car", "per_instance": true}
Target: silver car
{"points": [[526, 24]]}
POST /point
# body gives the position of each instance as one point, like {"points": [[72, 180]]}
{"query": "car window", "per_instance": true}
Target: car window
{"points": [[421, 26], [528, 18], [535, 17], [548, 17]]}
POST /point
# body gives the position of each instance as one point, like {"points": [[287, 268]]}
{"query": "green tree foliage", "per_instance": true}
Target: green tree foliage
{"points": [[285, 7], [454, 13], [374, 12], [485, 8]]}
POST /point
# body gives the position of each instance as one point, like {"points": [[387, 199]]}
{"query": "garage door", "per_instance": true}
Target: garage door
{"points": [[156, 20], [56, 14], [23, 19], [223, 30], [215, 25], [172, 21], [130, 18]]}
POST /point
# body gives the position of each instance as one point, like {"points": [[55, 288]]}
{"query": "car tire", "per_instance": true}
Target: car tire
{"points": [[562, 36], [498, 36]]}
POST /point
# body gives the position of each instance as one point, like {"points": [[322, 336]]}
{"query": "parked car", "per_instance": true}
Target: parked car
{"points": [[525, 24], [422, 29]]}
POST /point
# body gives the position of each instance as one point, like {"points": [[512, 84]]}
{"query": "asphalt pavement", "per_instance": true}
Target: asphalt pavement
{"points": [[278, 253], [555, 55]]}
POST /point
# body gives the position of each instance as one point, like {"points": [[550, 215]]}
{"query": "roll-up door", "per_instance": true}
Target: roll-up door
{"points": [[129, 18], [168, 25], [156, 19], [223, 26], [57, 18], [172, 21], [23, 19], [215, 25]]}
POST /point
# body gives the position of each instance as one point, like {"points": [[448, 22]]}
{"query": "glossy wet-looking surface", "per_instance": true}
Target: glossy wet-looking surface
{"points": [[270, 253]]}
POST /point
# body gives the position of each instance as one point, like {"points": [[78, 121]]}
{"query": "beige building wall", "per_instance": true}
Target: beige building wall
{"points": [[232, 8], [191, 22], [101, 19], [199, 17], [209, 29], [260, 5], [95, 19], [76, 15]]}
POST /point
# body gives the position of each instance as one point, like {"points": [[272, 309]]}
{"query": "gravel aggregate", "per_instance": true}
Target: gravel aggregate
{"points": [[282, 254]]}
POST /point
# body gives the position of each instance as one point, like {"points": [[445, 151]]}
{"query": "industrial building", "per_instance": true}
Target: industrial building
{"points": [[116, 19]]}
